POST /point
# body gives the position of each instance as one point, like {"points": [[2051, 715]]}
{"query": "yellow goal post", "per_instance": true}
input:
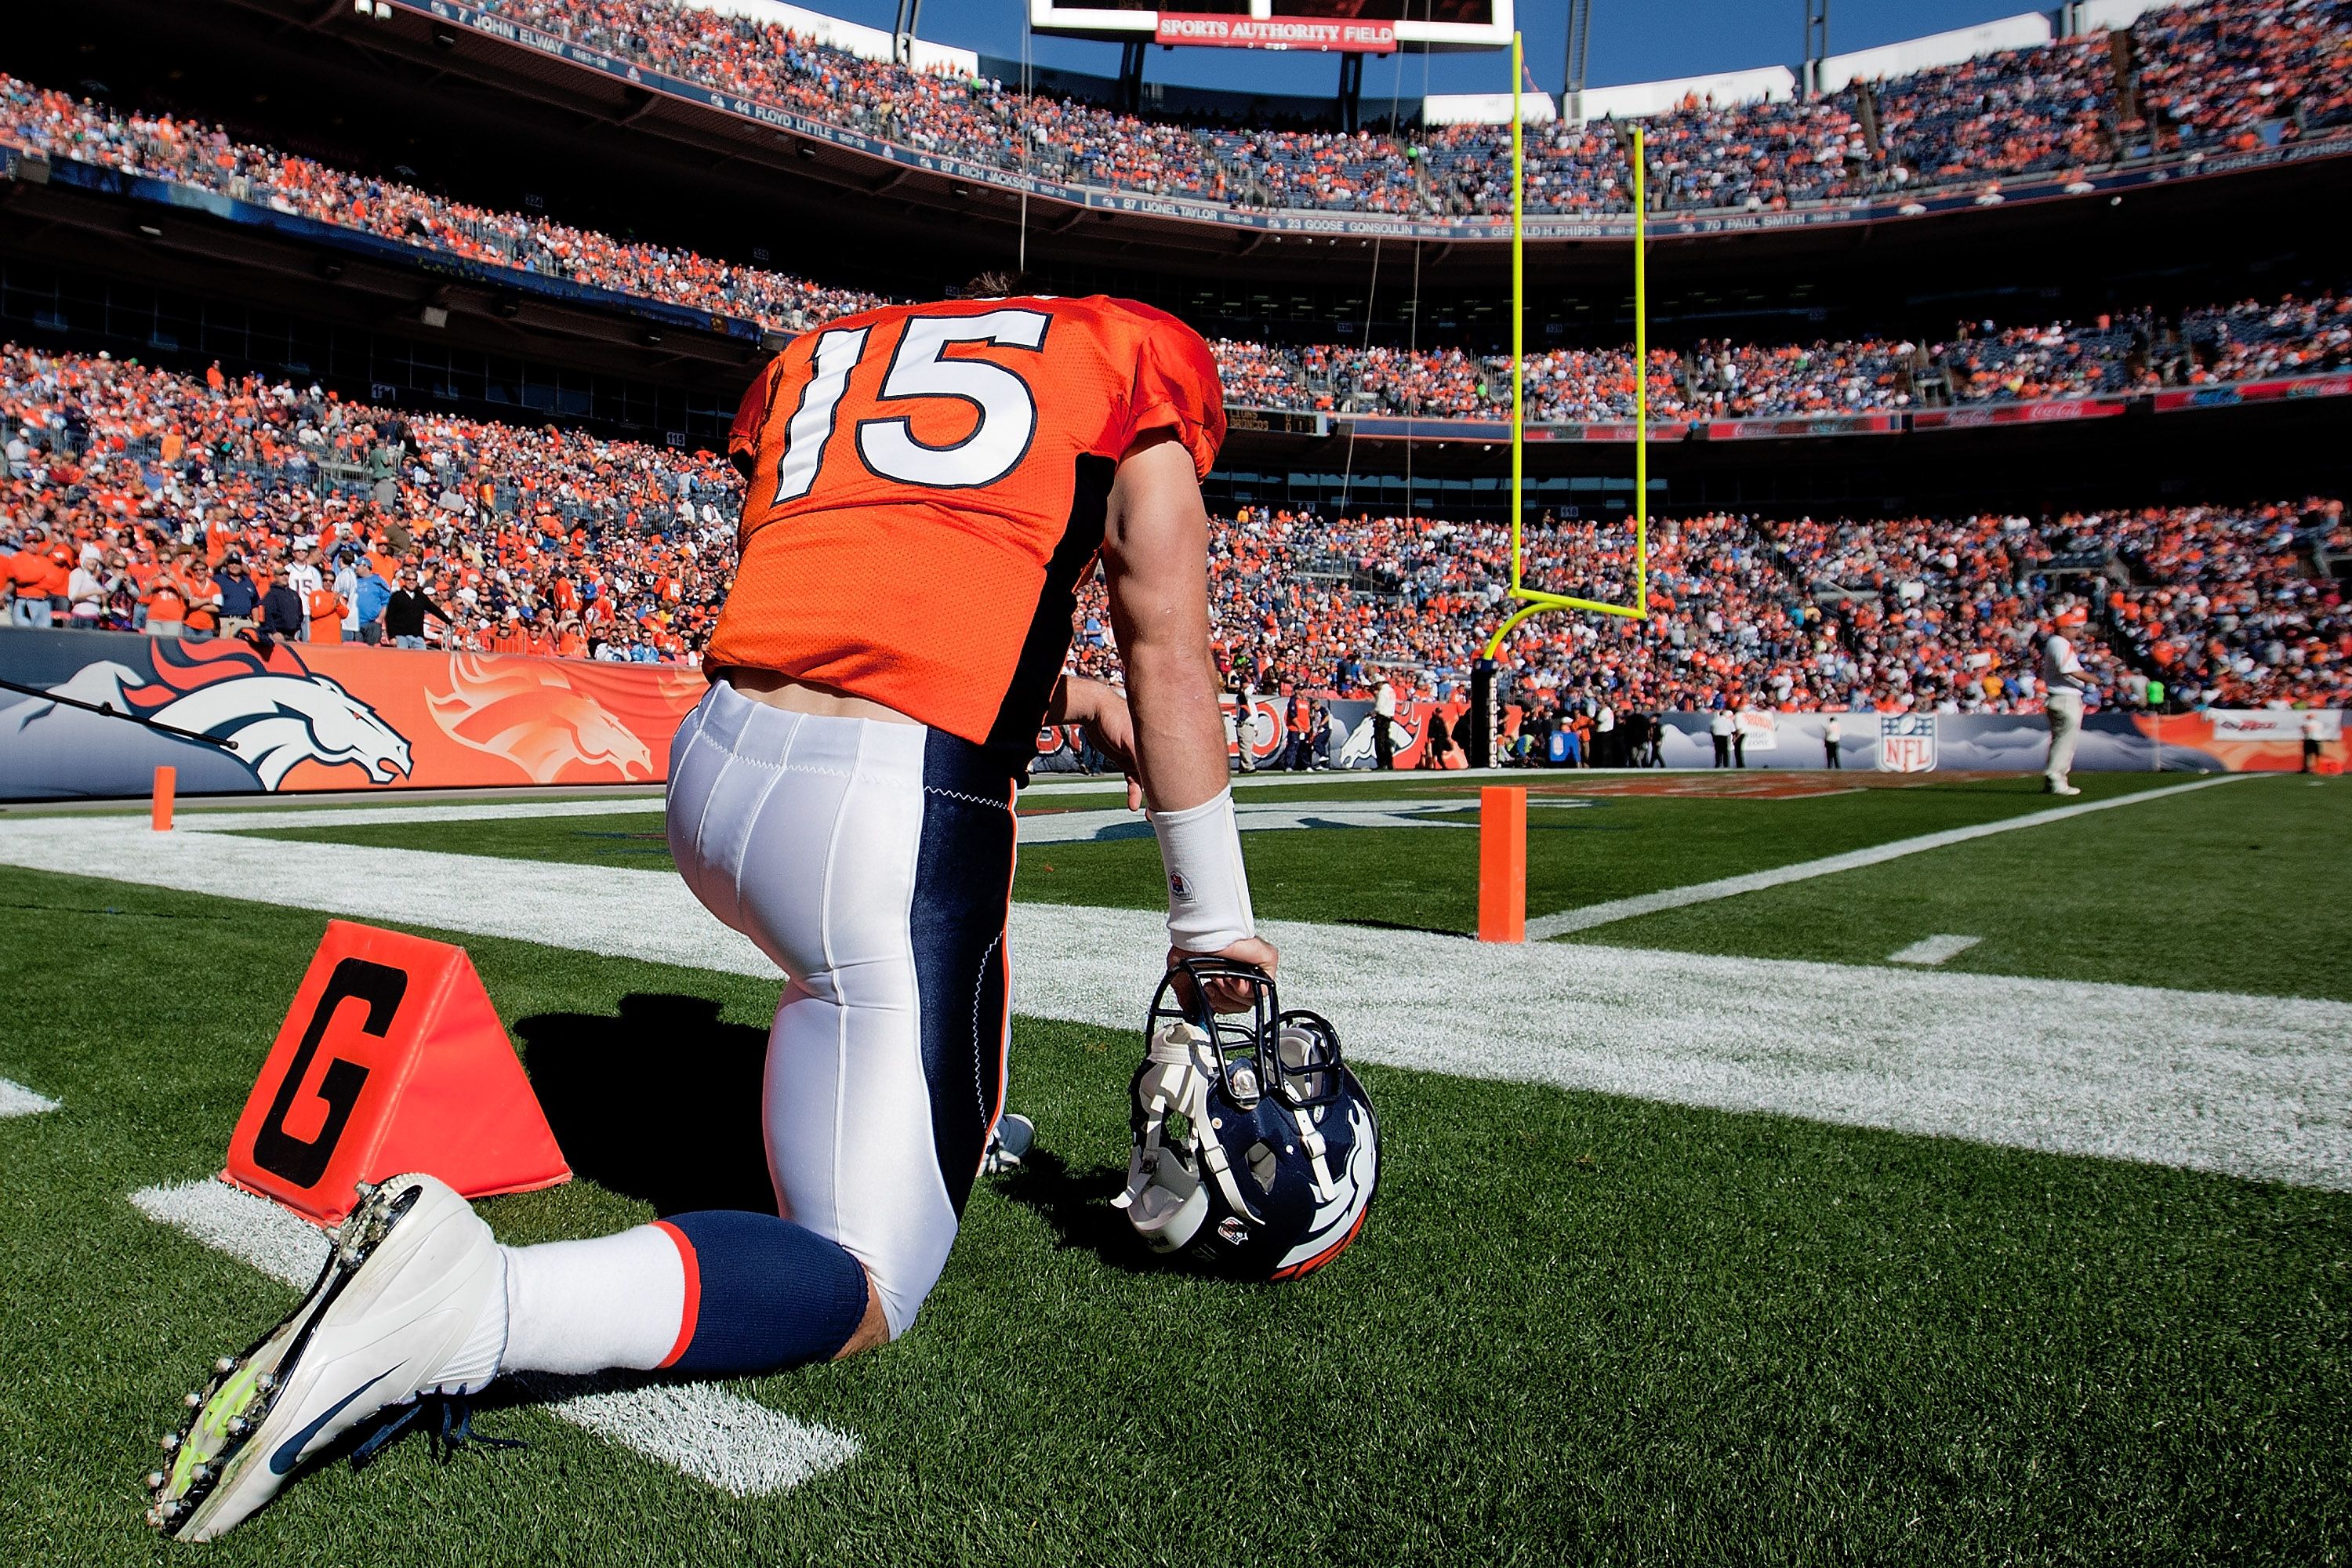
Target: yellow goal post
{"points": [[1535, 600]]}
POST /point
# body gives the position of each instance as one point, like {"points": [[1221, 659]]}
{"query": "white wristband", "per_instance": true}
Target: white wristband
{"points": [[1208, 890]]}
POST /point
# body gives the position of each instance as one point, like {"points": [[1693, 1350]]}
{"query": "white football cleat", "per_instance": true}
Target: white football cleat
{"points": [[413, 1272]]}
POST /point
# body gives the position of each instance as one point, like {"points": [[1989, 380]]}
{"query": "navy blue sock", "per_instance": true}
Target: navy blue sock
{"points": [[762, 1293]]}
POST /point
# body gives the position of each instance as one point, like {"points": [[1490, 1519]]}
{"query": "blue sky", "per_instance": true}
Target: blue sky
{"points": [[1631, 41]]}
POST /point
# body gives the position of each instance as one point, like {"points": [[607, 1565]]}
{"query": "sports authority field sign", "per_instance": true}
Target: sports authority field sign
{"points": [[1276, 33]]}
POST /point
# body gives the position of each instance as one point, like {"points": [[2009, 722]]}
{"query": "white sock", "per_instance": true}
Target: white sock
{"points": [[477, 1360], [579, 1307]]}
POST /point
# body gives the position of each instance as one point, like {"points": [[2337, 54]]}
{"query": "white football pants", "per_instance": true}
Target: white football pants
{"points": [[2064, 706], [872, 862]]}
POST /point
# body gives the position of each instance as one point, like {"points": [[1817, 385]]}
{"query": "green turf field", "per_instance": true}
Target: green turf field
{"points": [[1579, 1327], [2226, 859], [1672, 1333]]}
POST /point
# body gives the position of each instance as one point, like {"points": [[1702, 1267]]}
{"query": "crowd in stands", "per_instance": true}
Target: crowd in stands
{"points": [[2213, 76], [2234, 75], [2221, 603], [58, 125], [1918, 614], [141, 499], [1939, 609], [171, 504], [1710, 380], [1980, 364]]}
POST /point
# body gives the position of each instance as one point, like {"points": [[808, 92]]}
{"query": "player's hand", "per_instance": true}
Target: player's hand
{"points": [[1224, 995], [1102, 708]]}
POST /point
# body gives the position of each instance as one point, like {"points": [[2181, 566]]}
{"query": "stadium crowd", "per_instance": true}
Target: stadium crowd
{"points": [[56, 124], [2221, 602], [1983, 362], [2216, 75], [1933, 615], [172, 504], [141, 499]]}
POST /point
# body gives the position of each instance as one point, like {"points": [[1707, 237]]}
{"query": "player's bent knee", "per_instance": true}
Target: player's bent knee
{"points": [[763, 1294], [874, 1330]]}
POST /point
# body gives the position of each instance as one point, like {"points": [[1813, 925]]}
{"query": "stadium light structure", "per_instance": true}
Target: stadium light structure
{"points": [[1580, 36], [1817, 43]]}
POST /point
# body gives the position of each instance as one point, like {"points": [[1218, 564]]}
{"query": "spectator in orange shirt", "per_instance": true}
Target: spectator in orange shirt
{"points": [[327, 612], [166, 604], [29, 582], [39, 579], [510, 636]]}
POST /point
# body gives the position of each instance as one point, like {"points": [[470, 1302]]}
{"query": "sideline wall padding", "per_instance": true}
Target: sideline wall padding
{"points": [[325, 717]]}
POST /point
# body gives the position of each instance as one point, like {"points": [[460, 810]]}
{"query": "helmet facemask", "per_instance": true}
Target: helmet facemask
{"points": [[1246, 1124]]}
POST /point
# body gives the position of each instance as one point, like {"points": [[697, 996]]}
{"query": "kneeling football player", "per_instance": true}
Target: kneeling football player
{"points": [[927, 485]]}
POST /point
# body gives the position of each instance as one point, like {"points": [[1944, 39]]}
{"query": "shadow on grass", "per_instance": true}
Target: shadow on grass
{"points": [[658, 1102], [1401, 925], [1077, 1205]]}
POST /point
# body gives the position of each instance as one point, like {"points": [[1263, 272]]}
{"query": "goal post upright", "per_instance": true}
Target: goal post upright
{"points": [[1518, 312], [1640, 376], [1535, 600]]}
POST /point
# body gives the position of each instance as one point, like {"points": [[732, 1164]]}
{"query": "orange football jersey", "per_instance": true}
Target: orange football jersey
{"points": [[927, 485]]}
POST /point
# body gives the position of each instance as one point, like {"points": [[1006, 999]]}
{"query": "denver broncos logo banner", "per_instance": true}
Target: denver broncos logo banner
{"points": [[322, 717]]}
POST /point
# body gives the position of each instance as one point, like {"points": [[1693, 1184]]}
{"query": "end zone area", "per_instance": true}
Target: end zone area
{"points": [[1706, 1232]]}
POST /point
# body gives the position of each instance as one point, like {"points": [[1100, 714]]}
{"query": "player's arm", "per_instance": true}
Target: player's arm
{"points": [[1155, 560]]}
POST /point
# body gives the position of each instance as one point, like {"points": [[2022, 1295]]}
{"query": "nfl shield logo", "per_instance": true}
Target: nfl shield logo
{"points": [[1906, 743]]}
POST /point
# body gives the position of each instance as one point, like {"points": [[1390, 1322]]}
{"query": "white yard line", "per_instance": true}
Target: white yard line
{"points": [[1048, 827], [362, 816], [15, 1099], [2251, 1085], [732, 1443], [1257, 816], [1103, 784], [1934, 950], [723, 1439], [276, 1240], [1615, 910]]}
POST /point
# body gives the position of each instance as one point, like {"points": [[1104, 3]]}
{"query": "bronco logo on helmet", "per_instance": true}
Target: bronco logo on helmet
{"points": [[1255, 1149]]}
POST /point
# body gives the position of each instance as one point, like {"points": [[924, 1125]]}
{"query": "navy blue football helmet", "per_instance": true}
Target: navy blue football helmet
{"points": [[1255, 1149]]}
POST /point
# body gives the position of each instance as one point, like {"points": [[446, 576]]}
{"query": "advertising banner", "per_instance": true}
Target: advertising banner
{"points": [[1409, 732], [2275, 391], [2258, 739], [307, 717], [1907, 742], [322, 717], [1425, 427], [2218, 741], [1801, 428], [1276, 33], [1760, 729], [2057, 411]]}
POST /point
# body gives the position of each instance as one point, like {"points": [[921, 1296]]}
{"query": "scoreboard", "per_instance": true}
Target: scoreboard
{"points": [[1365, 27]]}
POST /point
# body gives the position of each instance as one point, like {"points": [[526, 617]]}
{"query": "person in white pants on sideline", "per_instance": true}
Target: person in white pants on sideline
{"points": [[2061, 678]]}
